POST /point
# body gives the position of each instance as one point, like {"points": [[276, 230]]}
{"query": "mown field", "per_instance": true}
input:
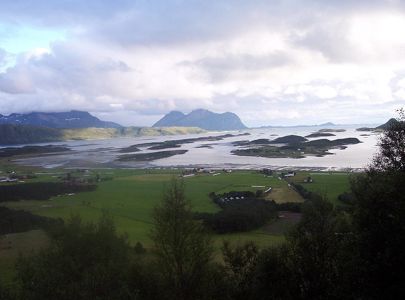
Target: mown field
{"points": [[130, 196], [329, 185]]}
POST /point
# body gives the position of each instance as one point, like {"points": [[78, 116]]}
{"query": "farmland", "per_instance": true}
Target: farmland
{"points": [[129, 195]]}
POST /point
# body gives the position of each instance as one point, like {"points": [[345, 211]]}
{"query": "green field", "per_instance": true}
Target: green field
{"points": [[329, 185], [129, 196]]}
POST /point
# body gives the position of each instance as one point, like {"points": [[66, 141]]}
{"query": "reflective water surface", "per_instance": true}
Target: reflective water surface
{"points": [[103, 153]]}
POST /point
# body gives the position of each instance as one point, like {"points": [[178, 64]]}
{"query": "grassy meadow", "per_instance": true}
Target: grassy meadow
{"points": [[130, 195], [329, 185]]}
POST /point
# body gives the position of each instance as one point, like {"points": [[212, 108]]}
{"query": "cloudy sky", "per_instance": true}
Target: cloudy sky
{"points": [[271, 62]]}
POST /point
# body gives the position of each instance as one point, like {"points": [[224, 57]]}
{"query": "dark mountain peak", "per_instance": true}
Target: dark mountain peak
{"points": [[202, 118], [200, 112], [172, 117], [391, 122], [176, 113]]}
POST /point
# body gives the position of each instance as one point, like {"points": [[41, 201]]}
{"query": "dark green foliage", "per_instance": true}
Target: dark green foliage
{"points": [[347, 198], [240, 265], [40, 190], [379, 223], [84, 261], [316, 244], [391, 156], [379, 217], [241, 211], [139, 249], [275, 275], [12, 221], [183, 249], [316, 261], [307, 195]]}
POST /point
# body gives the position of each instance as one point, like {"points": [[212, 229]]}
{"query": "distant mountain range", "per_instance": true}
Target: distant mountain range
{"points": [[328, 124], [202, 118], [40, 127], [71, 119]]}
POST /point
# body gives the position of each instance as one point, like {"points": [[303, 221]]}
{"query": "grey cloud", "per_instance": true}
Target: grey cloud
{"points": [[329, 37], [219, 68], [113, 65]]}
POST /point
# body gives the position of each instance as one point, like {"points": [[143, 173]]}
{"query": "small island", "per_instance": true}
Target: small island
{"points": [[318, 148], [150, 156], [319, 134], [177, 143]]}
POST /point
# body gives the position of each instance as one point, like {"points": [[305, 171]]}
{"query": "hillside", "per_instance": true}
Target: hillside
{"points": [[71, 119], [24, 134], [388, 124], [11, 134], [203, 119]]}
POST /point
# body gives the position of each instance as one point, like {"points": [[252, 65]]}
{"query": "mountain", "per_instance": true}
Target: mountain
{"points": [[202, 118], [71, 119], [327, 124], [391, 122], [388, 124], [170, 118]]}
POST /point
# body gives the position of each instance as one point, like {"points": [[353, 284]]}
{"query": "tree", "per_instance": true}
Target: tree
{"points": [[240, 265], [183, 249], [317, 247], [275, 274], [391, 155], [84, 261], [379, 216]]}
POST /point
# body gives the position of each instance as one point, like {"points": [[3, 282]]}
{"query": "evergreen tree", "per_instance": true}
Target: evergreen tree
{"points": [[84, 261], [183, 249]]}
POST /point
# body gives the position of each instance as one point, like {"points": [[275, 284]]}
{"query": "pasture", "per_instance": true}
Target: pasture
{"points": [[130, 195], [329, 185]]}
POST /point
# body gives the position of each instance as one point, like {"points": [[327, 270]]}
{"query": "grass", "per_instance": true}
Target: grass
{"points": [[131, 195], [330, 185]]}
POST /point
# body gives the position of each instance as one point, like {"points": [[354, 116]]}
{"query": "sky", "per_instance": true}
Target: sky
{"points": [[272, 62]]}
